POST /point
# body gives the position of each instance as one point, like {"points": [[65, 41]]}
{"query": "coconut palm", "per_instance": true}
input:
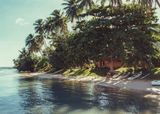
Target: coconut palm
{"points": [[39, 26], [72, 9], [60, 21], [56, 24], [111, 2], [40, 30], [39, 40], [85, 3], [49, 26], [23, 53], [147, 3], [32, 44], [29, 38]]}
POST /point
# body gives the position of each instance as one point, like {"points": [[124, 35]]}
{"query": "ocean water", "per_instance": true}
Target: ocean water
{"points": [[36, 96]]}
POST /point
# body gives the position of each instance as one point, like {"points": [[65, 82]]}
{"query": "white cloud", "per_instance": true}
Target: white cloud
{"points": [[21, 22]]}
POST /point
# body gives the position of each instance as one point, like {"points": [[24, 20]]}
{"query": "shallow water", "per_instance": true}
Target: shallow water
{"points": [[33, 96]]}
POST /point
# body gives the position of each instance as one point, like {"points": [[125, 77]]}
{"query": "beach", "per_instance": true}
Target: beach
{"points": [[134, 85]]}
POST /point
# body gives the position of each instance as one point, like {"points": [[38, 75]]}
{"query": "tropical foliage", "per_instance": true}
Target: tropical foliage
{"points": [[88, 31], [31, 62]]}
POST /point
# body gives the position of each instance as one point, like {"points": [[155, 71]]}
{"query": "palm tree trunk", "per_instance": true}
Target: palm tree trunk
{"points": [[40, 51], [45, 44], [112, 66], [158, 2]]}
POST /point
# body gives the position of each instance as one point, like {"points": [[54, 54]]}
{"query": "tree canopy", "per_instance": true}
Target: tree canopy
{"points": [[128, 32]]}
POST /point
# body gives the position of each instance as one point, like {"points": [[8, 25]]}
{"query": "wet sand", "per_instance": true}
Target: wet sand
{"points": [[135, 85]]}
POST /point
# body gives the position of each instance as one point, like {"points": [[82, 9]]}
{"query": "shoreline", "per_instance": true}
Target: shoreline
{"points": [[133, 85]]}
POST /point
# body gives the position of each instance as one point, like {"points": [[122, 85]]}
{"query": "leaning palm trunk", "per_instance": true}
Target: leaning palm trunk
{"points": [[158, 2], [40, 51], [45, 44]]}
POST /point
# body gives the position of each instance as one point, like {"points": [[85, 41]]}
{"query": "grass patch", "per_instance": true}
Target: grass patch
{"points": [[156, 71], [124, 69], [81, 72], [155, 74], [99, 72]]}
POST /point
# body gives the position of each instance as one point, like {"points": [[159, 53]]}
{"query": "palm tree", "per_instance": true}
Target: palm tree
{"points": [[23, 53], [49, 26], [39, 26], [85, 3], [72, 9], [60, 21], [32, 44], [29, 38], [111, 2], [40, 30], [56, 24], [39, 40], [59, 30], [147, 3]]}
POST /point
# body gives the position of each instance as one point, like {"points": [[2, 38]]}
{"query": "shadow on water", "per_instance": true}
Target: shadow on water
{"points": [[28, 92], [129, 101], [67, 97], [54, 93]]}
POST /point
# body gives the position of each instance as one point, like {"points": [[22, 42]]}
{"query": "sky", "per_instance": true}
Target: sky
{"points": [[16, 22]]}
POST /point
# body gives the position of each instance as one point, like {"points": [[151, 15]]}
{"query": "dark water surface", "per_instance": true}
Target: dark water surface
{"points": [[32, 96]]}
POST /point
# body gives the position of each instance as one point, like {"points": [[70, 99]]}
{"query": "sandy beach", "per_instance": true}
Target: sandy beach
{"points": [[135, 85]]}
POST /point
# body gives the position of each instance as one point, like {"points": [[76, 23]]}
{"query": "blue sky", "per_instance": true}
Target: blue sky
{"points": [[17, 18], [16, 22]]}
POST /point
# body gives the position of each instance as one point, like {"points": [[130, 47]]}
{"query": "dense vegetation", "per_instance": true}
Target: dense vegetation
{"points": [[89, 31]]}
